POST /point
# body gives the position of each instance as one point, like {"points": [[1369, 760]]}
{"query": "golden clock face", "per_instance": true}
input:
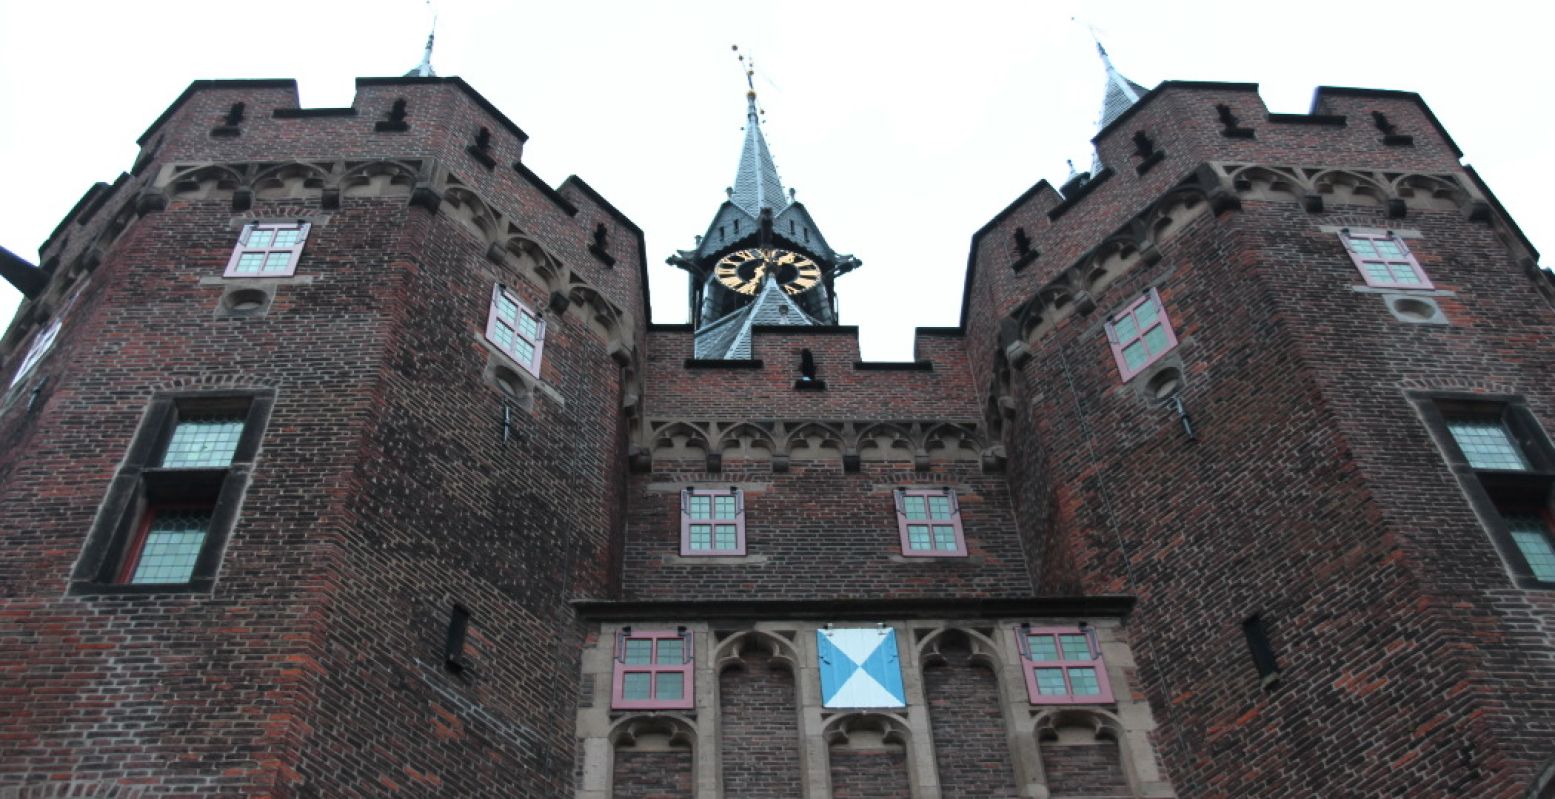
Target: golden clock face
{"points": [[743, 270]]}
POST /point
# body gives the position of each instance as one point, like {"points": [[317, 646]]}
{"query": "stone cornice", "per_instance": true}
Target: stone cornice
{"points": [[780, 441]]}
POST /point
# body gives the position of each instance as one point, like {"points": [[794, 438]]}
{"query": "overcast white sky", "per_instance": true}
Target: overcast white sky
{"points": [[903, 126]]}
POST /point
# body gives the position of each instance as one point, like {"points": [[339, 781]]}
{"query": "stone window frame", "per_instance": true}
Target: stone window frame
{"points": [[1495, 494], [1029, 665], [900, 496], [43, 342], [686, 668], [499, 292], [1118, 344], [738, 520], [1349, 235], [293, 252], [142, 488]]}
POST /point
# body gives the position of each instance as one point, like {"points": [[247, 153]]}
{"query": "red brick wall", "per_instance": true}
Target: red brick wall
{"points": [[869, 773], [1091, 771], [710, 393], [970, 746], [382, 494], [652, 774], [816, 532], [758, 729]]}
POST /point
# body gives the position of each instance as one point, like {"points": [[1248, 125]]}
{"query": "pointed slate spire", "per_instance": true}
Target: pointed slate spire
{"points": [[1121, 92], [756, 185], [424, 69]]}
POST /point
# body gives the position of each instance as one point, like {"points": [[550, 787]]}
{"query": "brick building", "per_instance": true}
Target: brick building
{"points": [[339, 457]]}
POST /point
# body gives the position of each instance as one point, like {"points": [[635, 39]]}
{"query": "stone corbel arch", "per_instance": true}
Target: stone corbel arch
{"points": [[779, 650], [292, 180], [653, 732], [1114, 256], [1168, 215], [529, 259], [1052, 724], [952, 441], [884, 441], [1351, 188], [815, 441], [1271, 183], [1431, 192], [985, 650], [472, 212], [203, 182], [743, 440], [377, 179], [681, 441]]}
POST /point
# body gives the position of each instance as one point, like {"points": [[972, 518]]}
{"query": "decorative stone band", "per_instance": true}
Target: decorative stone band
{"points": [[780, 442], [1221, 186]]}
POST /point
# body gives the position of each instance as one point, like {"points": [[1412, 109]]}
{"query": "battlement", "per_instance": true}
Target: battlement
{"points": [[435, 142]]}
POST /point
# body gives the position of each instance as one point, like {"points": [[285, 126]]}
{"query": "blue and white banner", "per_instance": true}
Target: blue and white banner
{"points": [[860, 667]]}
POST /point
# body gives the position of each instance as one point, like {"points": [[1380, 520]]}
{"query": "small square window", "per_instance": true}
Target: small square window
{"points": [[652, 669], [929, 521], [1486, 443], [516, 329], [712, 521], [267, 249], [1062, 665], [1384, 260], [1140, 334]]}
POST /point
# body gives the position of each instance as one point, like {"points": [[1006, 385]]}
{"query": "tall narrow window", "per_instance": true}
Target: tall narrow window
{"points": [[930, 522], [268, 249], [1486, 443], [1140, 334], [43, 341], [712, 521], [169, 511], [1505, 465], [1531, 534], [1063, 666], [652, 669], [1384, 260], [516, 329], [1257, 635]]}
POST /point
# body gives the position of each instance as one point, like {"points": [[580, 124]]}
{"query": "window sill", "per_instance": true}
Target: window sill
{"points": [[199, 585], [716, 560]]}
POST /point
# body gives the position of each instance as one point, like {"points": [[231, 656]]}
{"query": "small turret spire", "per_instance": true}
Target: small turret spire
{"points": [[756, 184], [424, 69], [1121, 92]]}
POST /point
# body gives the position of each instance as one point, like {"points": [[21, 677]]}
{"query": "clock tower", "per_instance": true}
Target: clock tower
{"points": [[762, 261]]}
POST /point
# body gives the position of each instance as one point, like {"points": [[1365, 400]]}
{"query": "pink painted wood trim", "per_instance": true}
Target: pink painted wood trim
{"points": [[1117, 345], [618, 678], [531, 366], [955, 521], [294, 252], [1029, 666], [685, 522], [1409, 258]]}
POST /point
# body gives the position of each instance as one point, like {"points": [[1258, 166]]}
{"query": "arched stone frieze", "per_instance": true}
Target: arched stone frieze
{"points": [[922, 443], [981, 641], [378, 179], [1104, 746], [292, 180], [735, 646]]}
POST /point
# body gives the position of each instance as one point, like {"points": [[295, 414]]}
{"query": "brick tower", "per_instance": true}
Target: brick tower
{"points": [[338, 457]]}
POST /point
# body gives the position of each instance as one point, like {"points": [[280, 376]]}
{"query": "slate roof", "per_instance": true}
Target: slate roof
{"points": [[756, 184], [729, 338]]}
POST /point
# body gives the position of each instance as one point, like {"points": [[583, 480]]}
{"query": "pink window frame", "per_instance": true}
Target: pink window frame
{"points": [[1347, 236], [618, 680], [686, 521], [294, 251], [901, 494], [493, 322], [1162, 320], [1029, 666]]}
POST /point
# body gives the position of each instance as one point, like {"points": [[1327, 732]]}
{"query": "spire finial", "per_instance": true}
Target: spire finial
{"points": [[756, 185], [1121, 92], [424, 69]]}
